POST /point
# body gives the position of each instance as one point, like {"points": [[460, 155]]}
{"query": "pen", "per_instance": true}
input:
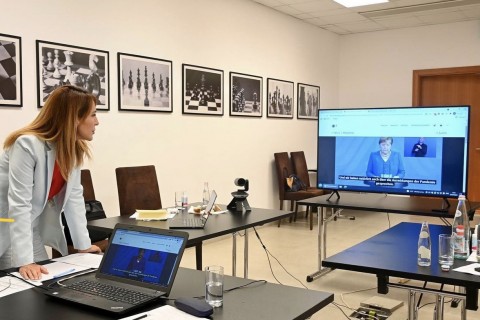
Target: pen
{"points": [[7, 220], [141, 317], [64, 273]]}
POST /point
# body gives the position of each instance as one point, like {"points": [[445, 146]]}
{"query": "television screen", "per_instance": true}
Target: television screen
{"points": [[410, 150]]}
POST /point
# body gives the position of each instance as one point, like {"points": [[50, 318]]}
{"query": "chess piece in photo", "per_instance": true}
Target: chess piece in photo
{"points": [[68, 64], [93, 83], [146, 102], [255, 104], [154, 84], [139, 82], [50, 66], [130, 81], [167, 85]]}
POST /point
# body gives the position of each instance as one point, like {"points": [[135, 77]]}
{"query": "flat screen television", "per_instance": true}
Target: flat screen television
{"points": [[419, 151]]}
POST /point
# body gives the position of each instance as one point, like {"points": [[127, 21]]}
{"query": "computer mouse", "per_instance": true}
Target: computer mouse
{"points": [[194, 306]]}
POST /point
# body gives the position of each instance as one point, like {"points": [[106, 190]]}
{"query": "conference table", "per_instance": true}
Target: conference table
{"points": [[217, 225], [432, 207], [393, 253], [254, 301]]}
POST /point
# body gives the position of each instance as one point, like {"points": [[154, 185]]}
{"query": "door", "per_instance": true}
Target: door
{"points": [[455, 86]]}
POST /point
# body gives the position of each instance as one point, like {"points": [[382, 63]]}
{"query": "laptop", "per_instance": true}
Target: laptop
{"points": [[193, 221], [138, 267]]}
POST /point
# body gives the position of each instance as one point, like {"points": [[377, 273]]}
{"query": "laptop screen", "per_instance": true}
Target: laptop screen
{"points": [[143, 257]]}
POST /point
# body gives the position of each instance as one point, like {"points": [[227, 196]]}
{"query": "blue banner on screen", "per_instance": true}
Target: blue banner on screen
{"points": [[408, 150]]}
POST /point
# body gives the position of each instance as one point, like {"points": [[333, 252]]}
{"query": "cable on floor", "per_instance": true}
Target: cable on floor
{"points": [[268, 253], [350, 292]]}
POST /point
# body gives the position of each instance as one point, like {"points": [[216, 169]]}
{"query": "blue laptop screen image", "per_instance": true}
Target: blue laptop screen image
{"points": [[143, 257]]}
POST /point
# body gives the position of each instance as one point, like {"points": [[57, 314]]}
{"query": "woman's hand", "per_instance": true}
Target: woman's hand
{"points": [[32, 271], [92, 249]]}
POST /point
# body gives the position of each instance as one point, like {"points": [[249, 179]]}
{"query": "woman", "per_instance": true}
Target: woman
{"points": [[40, 178], [385, 163]]}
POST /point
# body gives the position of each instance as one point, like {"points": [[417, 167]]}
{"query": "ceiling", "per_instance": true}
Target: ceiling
{"points": [[331, 16]]}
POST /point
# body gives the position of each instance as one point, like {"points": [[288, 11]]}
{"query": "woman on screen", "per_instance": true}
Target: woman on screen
{"points": [[385, 163]]}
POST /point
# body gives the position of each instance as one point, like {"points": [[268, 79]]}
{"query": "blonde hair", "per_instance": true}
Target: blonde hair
{"points": [[57, 123]]}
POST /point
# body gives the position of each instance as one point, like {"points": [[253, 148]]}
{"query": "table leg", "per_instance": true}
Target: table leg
{"points": [[198, 255], [412, 312], [234, 254], [245, 256], [322, 245], [440, 299]]}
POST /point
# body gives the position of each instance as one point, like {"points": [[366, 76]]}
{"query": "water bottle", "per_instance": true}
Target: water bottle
{"points": [[461, 231], [424, 246], [206, 194]]}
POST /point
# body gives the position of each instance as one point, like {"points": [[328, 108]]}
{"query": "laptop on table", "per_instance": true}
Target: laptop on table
{"points": [[138, 267], [193, 221]]}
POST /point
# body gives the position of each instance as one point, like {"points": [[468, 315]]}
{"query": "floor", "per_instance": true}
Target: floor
{"points": [[295, 247]]}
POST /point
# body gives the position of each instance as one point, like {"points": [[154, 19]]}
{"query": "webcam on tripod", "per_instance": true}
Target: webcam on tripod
{"points": [[239, 201]]}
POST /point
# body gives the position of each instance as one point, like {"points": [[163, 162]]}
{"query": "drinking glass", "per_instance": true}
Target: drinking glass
{"points": [[214, 285], [445, 249]]}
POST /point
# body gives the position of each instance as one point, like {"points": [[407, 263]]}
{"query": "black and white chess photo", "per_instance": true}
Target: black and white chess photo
{"points": [[279, 98], [59, 64], [246, 92], [10, 71], [145, 84], [202, 90], [308, 101]]}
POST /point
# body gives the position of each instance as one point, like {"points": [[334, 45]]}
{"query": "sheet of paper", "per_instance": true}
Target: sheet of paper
{"points": [[164, 312], [10, 285], [473, 257], [470, 268], [152, 214], [55, 269], [169, 216], [88, 260]]}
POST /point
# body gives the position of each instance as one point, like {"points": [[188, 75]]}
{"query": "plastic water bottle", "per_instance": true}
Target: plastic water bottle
{"points": [[206, 194], [424, 246], [461, 231]]}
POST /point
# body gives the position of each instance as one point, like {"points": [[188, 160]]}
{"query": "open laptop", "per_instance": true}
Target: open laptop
{"points": [[140, 259], [193, 221]]}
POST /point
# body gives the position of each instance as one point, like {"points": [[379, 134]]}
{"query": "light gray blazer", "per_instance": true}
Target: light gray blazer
{"points": [[26, 171]]}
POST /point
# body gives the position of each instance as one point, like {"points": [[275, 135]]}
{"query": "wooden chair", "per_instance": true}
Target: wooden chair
{"points": [[137, 189], [301, 170], [284, 170], [88, 195]]}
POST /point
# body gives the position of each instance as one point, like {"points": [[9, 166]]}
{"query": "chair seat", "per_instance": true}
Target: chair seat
{"points": [[304, 194]]}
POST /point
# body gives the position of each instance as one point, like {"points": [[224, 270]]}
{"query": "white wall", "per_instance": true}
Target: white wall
{"points": [[376, 68], [232, 35]]}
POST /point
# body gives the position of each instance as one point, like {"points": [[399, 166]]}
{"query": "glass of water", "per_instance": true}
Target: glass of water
{"points": [[178, 199], [445, 249], [214, 285]]}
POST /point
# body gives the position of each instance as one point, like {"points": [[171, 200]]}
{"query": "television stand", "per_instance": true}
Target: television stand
{"points": [[445, 206], [334, 192]]}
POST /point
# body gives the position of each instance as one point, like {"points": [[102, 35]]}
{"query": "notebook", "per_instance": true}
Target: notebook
{"points": [[140, 259], [192, 221]]}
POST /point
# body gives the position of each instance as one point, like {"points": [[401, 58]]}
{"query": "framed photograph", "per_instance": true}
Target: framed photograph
{"points": [[279, 98], [10, 71], [144, 84], [308, 101], [246, 92], [59, 64], [202, 90]]}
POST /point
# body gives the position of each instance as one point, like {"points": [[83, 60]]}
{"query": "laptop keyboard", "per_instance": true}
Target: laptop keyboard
{"points": [[109, 292], [192, 222]]}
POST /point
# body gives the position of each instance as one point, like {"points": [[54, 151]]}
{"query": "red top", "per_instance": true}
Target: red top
{"points": [[57, 182]]}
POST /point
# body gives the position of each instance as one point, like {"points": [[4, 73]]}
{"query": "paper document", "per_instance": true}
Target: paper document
{"points": [[469, 269], [164, 312], [88, 260], [9, 285], [55, 270], [149, 215]]}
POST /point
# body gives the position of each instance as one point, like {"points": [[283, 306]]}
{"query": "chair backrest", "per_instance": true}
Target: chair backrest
{"points": [[137, 189], [300, 166], [86, 180], [284, 169]]}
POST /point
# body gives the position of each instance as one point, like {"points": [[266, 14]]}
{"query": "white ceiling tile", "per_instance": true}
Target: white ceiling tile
{"points": [[270, 3], [315, 6], [471, 11], [400, 22], [362, 26], [336, 29], [288, 10], [342, 18], [334, 12], [304, 16], [317, 21], [295, 1], [442, 17]]}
